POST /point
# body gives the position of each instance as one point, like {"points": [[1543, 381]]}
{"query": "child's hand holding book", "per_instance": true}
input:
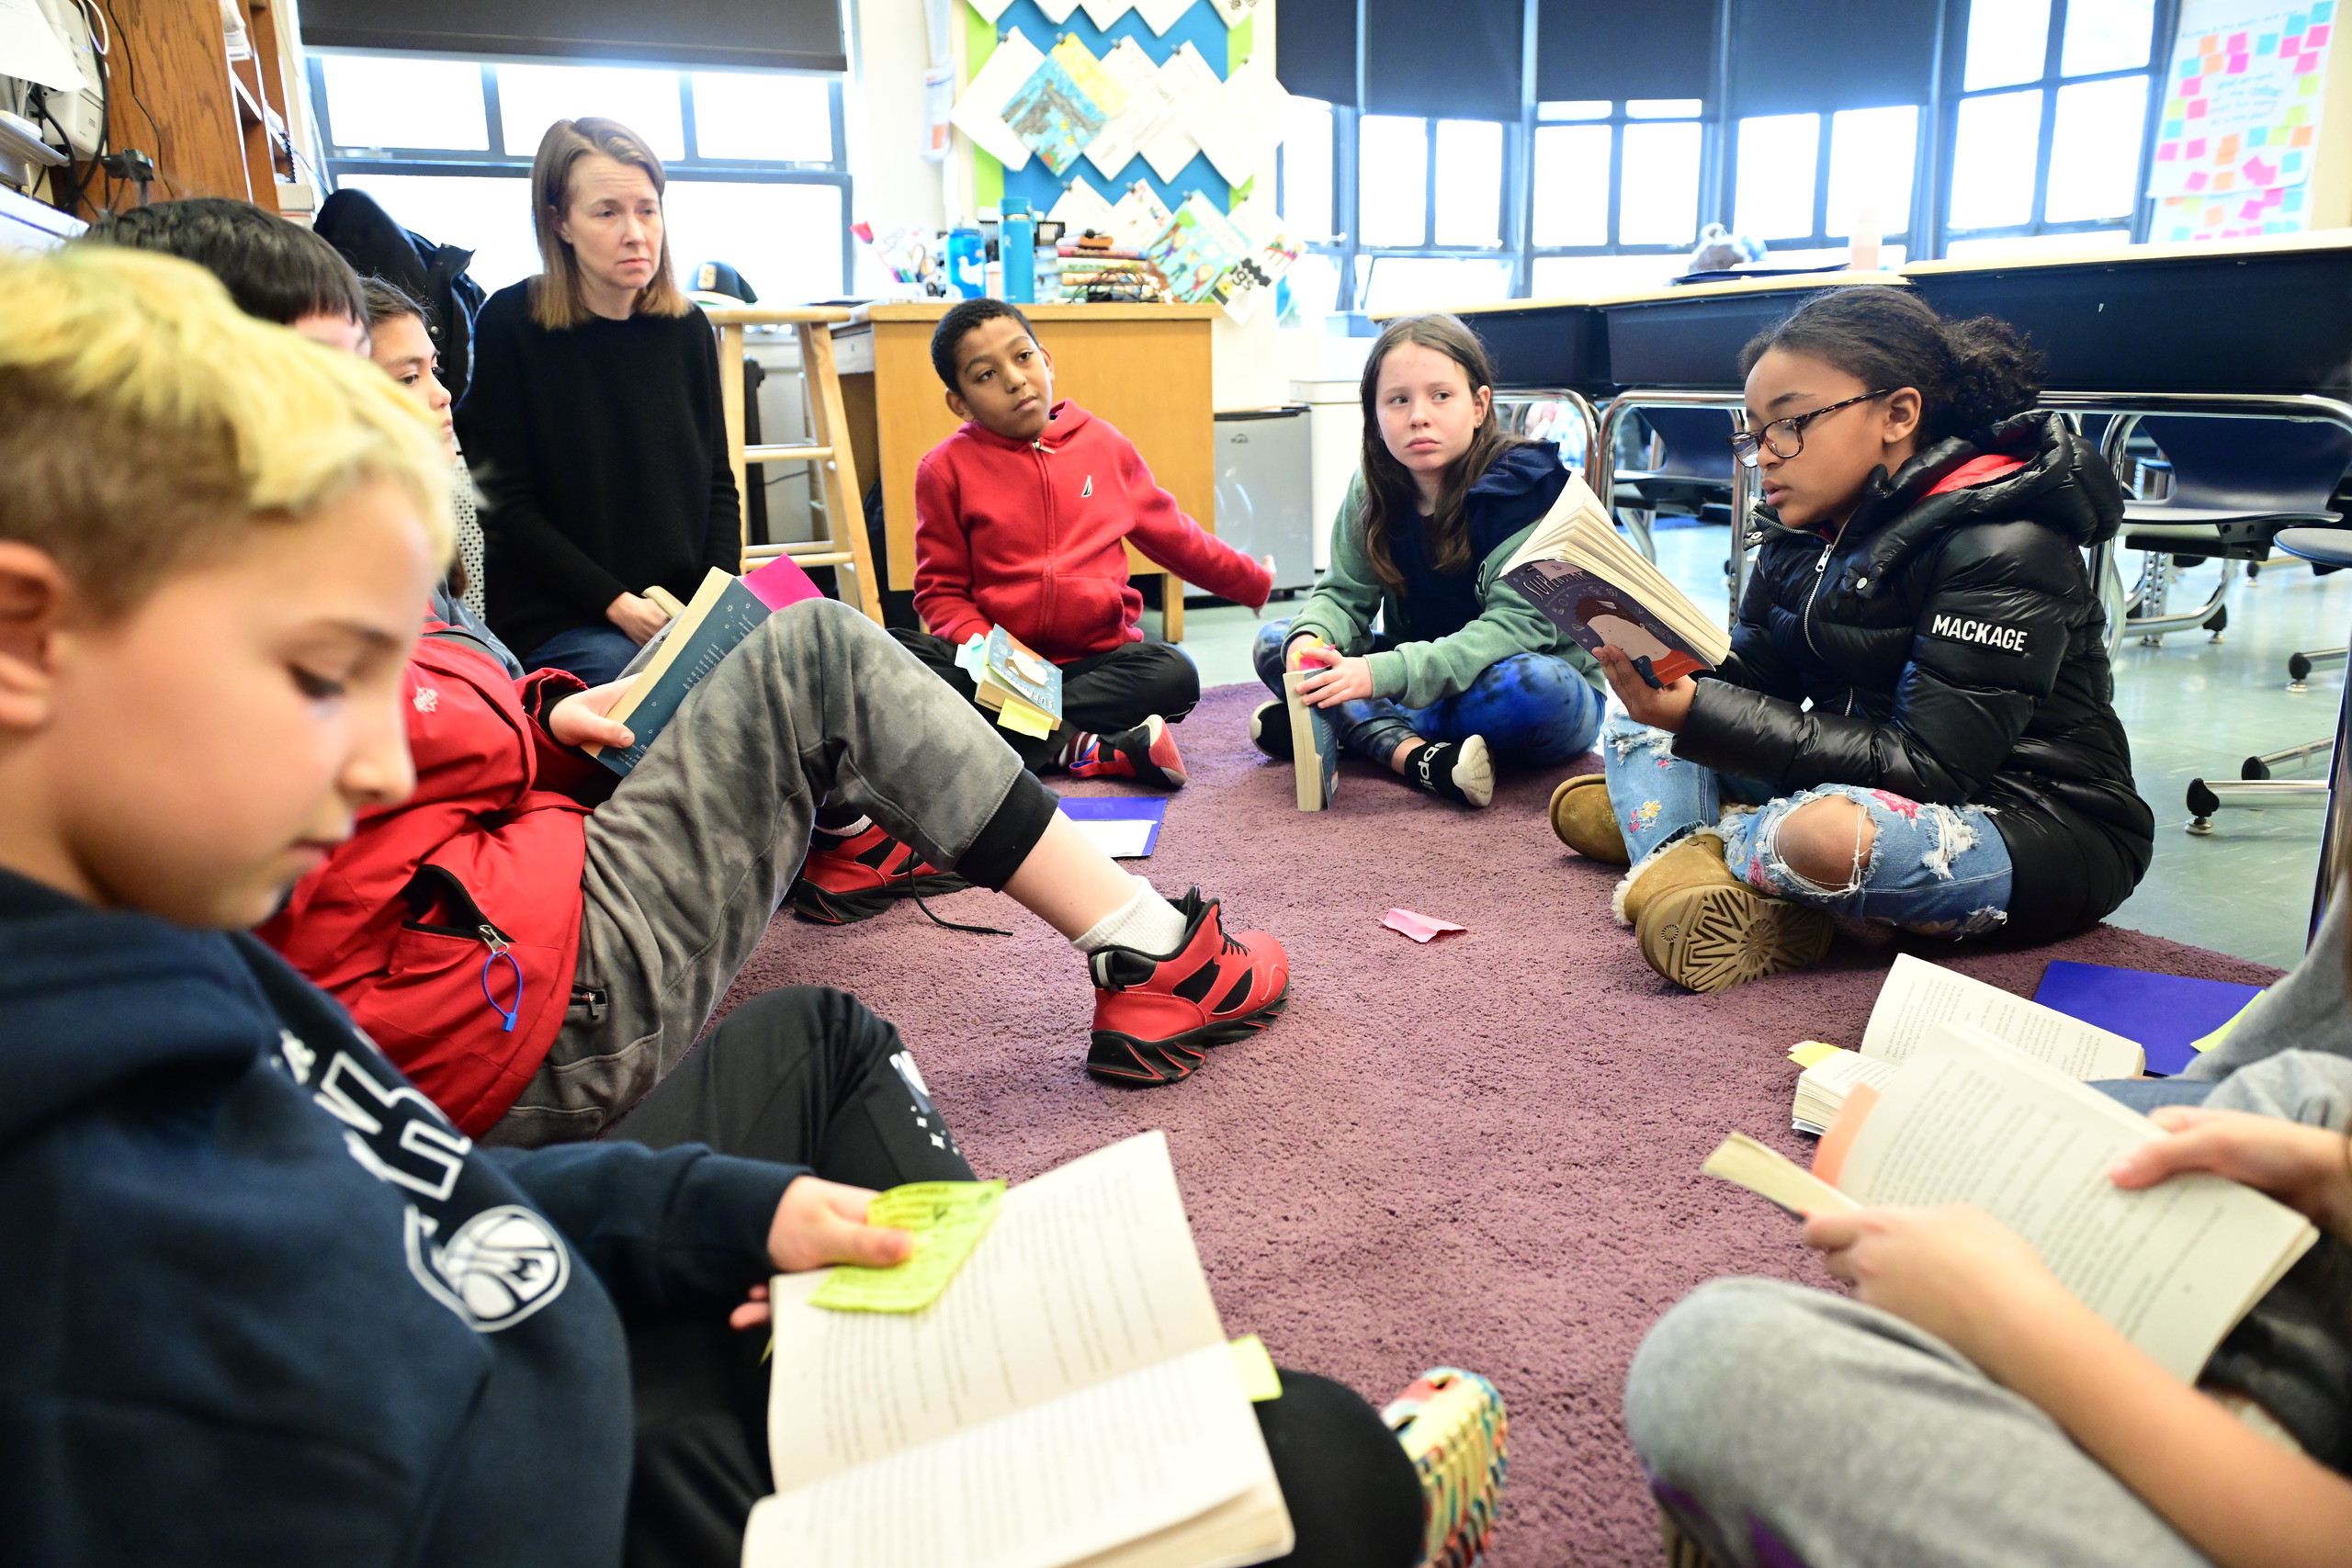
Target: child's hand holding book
{"points": [[1953, 1270], [2307, 1168], [820, 1223], [1665, 707]]}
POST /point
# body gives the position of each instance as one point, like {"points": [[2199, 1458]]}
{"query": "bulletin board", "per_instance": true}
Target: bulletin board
{"points": [[1202, 24], [2241, 118]]}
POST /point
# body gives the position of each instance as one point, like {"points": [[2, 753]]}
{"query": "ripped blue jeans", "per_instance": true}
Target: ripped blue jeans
{"points": [[1530, 708], [1936, 870]]}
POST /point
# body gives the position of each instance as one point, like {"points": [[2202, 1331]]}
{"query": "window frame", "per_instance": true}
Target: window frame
{"points": [[1708, 119], [494, 163], [1951, 92]]}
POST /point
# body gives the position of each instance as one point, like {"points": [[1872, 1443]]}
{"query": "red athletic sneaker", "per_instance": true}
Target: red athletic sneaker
{"points": [[1146, 753], [847, 880], [1155, 1017]]}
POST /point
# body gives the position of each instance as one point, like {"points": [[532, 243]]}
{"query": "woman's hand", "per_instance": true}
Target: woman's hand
{"points": [[639, 616], [2307, 1168], [819, 1223], [1664, 707], [1342, 681], [1955, 1271], [579, 719]]}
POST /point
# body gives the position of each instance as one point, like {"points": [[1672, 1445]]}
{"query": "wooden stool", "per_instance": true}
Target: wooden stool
{"points": [[845, 547]]}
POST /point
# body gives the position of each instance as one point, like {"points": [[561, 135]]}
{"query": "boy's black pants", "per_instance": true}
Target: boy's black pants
{"points": [[1102, 692], [808, 1075]]}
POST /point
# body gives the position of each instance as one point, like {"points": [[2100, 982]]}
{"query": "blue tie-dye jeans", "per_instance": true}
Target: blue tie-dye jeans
{"points": [[1530, 708], [1937, 870]]}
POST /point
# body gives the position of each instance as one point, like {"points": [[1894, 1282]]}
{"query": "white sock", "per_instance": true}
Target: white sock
{"points": [[851, 831], [1145, 923]]}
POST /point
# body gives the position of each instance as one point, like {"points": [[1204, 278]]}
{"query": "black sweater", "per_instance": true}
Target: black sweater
{"points": [[601, 452], [262, 1304]]}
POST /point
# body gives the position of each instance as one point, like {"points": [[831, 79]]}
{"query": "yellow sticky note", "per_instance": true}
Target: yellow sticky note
{"points": [[1805, 1053], [947, 1220], [2207, 1041], [1259, 1379], [1026, 717]]}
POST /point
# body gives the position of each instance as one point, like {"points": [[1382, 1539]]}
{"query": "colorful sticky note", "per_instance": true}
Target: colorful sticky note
{"points": [[2209, 45], [2167, 152], [2316, 38], [2257, 136], [1260, 1380], [1805, 1053], [2267, 44], [2237, 65], [2303, 68], [2226, 180], [2196, 148], [947, 1220], [2197, 108], [2251, 209], [2301, 138], [2228, 151], [2292, 164], [2292, 201], [1417, 926], [2195, 181], [2237, 44]]}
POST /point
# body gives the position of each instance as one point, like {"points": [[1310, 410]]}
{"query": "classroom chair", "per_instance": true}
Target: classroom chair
{"points": [[2235, 484]]}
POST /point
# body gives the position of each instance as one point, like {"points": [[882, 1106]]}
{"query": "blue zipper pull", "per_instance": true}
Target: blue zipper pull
{"points": [[498, 950]]}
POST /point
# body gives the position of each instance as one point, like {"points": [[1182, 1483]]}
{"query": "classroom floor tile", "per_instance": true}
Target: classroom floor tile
{"points": [[2192, 707]]}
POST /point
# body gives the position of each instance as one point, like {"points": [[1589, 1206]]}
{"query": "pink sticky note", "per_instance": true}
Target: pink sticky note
{"points": [[781, 583], [2168, 151], [2251, 209], [2316, 38], [2257, 172], [1320, 658], [2197, 108], [2197, 181], [2237, 44], [2237, 65], [2307, 64], [1417, 926], [2195, 149]]}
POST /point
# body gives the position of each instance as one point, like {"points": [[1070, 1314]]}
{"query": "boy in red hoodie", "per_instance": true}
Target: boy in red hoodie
{"points": [[1020, 517]]}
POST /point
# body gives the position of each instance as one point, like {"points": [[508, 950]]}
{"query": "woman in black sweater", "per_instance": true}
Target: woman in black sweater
{"points": [[593, 422]]}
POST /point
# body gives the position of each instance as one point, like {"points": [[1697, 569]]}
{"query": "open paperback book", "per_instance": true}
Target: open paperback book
{"points": [[1069, 1399], [1916, 996], [1970, 1119], [1596, 587]]}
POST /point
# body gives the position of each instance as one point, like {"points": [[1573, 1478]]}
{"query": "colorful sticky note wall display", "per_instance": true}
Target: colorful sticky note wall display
{"points": [[2242, 113]]}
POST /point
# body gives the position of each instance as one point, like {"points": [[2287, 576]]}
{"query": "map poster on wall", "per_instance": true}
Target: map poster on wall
{"points": [[2241, 118]]}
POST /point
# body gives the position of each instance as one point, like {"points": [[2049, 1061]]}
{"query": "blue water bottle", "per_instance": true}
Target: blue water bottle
{"points": [[967, 252], [1017, 244]]}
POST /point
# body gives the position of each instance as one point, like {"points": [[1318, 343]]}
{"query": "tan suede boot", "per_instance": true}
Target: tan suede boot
{"points": [[1705, 928], [1586, 822]]}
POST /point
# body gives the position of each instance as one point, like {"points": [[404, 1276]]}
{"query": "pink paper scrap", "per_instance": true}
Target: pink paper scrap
{"points": [[781, 583], [1417, 926]]}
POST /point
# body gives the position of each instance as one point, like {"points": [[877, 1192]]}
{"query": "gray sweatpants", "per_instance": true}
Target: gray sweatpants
{"points": [[694, 851], [1782, 1425]]}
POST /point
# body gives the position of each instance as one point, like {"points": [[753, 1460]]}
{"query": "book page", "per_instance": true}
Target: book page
{"points": [[1970, 1119], [1919, 995], [707, 597], [1089, 1274], [1841, 1070], [1040, 1487], [1580, 532]]}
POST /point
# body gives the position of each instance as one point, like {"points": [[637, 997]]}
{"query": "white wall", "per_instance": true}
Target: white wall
{"points": [[894, 184]]}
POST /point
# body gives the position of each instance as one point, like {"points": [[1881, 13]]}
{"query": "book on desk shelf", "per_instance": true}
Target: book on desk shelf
{"points": [[1915, 997], [1968, 1118], [1068, 1398], [1596, 587], [724, 611]]}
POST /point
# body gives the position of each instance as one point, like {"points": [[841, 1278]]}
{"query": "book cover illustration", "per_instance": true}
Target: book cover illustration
{"points": [[1063, 104], [1199, 246], [696, 644], [1023, 671], [1598, 614]]}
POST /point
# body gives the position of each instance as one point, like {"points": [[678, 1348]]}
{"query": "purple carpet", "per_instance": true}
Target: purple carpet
{"points": [[1484, 1151]]}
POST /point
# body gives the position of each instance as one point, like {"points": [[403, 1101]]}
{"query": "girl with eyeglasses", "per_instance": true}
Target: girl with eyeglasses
{"points": [[1915, 728]]}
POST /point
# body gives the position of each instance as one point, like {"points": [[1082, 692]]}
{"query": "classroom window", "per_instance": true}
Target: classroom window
{"points": [[1571, 204], [1470, 186], [1608, 177], [1306, 169], [1661, 184], [1778, 155], [757, 172], [2048, 131], [1872, 156], [1424, 283], [1393, 188]]}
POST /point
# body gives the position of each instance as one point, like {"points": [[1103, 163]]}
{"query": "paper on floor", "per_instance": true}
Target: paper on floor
{"points": [[1417, 926]]}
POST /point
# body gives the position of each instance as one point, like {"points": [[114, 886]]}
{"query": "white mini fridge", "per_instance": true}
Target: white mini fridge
{"points": [[1265, 489]]}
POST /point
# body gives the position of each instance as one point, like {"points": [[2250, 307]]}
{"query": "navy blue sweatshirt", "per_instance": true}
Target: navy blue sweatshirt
{"points": [[262, 1304]]}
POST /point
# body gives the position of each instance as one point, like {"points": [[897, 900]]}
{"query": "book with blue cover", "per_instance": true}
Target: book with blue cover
{"points": [[1314, 746], [722, 614]]}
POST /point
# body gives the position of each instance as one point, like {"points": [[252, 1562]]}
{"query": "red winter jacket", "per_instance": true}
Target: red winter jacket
{"points": [[1026, 535], [495, 834]]}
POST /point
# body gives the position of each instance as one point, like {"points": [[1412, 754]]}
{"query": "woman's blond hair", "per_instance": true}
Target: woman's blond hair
{"points": [[557, 300], [152, 425]]}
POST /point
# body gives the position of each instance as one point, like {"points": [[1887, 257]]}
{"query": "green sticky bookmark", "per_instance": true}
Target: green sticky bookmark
{"points": [[947, 1219]]}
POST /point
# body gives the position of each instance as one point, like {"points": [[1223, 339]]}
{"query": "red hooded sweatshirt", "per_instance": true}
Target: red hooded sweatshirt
{"points": [[495, 834], [1026, 535]]}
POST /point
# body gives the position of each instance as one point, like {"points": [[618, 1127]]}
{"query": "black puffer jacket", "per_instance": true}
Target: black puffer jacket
{"points": [[1951, 649]]}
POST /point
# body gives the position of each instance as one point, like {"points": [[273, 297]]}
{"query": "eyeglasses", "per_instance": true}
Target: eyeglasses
{"points": [[1743, 442]]}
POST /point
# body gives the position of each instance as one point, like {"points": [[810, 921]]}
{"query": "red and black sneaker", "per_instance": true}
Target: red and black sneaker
{"points": [[1146, 753], [1155, 1017], [846, 880]]}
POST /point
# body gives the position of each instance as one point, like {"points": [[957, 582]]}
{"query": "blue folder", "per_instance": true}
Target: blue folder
{"points": [[2163, 1013]]}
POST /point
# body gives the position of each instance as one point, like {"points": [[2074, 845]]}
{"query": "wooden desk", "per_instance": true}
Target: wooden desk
{"points": [[1143, 367]]}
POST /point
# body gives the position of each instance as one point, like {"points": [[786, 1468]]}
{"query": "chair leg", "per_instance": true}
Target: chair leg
{"points": [[829, 422]]}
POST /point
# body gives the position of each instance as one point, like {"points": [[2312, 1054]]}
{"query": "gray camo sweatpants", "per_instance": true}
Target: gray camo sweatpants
{"points": [[694, 851], [1784, 1426]]}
